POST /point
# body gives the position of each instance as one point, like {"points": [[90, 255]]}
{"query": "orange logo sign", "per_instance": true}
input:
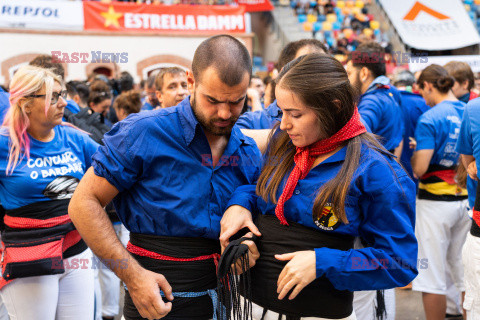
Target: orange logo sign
{"points": [[419, 7]]}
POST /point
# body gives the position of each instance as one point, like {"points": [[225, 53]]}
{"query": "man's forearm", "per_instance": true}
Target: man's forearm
{"points": [[97, 231]]}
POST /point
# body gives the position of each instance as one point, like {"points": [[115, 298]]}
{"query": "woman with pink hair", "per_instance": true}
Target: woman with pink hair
{"points": [[46, 271]]}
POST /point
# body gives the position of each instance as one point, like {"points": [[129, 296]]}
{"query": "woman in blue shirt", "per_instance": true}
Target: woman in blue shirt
{"points": [[45, 264], [442, 222], [325, 182]]}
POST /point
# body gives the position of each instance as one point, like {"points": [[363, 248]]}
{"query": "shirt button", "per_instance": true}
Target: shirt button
{"points": [[297, 191]]}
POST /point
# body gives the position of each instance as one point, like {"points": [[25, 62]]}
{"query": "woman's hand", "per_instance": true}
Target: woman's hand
{"points": [[233, 220], [298, 273]]}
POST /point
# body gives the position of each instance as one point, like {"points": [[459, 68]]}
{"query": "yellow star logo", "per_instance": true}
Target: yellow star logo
{"points": [[111, 17]]}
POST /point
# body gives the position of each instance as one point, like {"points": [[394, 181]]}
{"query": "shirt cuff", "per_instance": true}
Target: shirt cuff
{"points": [[240, 200], [329, 261]]}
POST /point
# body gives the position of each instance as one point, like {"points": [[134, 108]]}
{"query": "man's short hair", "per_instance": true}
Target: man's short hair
{"points": [[71, 90], [403, 78], [290, 50], [228, 56], [370, 55], [159, 79], [125, 82], [45, 61], [461, 72]]}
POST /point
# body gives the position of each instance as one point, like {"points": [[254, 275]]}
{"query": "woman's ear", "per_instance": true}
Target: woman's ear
{"points": [[24, 104]]}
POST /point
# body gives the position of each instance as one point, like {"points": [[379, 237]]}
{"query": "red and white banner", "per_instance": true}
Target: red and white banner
{"points": [[132, 17], [256, 5]]}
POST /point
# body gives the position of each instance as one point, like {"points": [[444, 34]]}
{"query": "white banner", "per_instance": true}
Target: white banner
{"points": [[41, 14], [432, 24], [473, 62]]}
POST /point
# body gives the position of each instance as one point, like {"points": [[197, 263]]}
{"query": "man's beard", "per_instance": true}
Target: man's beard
{"points": [[209, 125], [357, 85]]}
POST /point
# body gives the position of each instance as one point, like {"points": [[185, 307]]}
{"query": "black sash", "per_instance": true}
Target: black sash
{"points": [[190, 276], [319, 298]]}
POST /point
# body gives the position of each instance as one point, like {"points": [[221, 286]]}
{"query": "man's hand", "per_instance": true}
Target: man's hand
{"points": [[233, 220], [253, 254], [298, 273], [472, 170], [145, 293]]}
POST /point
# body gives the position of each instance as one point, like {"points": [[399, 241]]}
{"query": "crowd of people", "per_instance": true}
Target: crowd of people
{"points": [[213, 193]]}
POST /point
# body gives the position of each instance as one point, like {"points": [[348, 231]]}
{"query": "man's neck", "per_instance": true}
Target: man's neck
{"points": [[218, 144]]}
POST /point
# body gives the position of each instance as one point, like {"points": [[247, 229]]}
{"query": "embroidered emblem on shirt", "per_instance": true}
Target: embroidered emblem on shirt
{"points": [[328, 221]]}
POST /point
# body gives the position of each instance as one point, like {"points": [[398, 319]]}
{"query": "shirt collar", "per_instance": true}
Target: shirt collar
{"points": [[187, 119], [189, 124], [337, 157], [379, 81]]}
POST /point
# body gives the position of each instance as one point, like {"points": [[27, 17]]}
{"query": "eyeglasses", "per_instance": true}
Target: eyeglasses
{"points": [[55, 96]]}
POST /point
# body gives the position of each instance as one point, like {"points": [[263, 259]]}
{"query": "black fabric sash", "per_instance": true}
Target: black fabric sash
{"points": [[190, 276], [319, 298]]}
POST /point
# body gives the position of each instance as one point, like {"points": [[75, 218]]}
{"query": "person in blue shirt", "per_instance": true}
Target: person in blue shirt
{"points": [[4, 103], [41, 162], [413, 106], [464, 80], [329, 181], [268, 117], [379, 103], [442, 222], [171, 173], [468, 145], [150, 101]]}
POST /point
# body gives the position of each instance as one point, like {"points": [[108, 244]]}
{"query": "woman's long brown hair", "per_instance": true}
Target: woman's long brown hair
{"points": [[322, 84]]}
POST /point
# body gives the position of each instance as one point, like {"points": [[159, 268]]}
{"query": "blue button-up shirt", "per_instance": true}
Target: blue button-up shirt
{"points": [[380, 208], [380, 109], [160, 162]]}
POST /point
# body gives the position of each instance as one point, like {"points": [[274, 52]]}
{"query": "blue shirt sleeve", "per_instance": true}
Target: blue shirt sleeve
{"points": [[119, 161], [388, 227], [425, 133], [246, 197], [465, 141], [369, 111], [245, 121]]}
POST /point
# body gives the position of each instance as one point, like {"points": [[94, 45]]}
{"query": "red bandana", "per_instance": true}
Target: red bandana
{"points": [[305, 157]]}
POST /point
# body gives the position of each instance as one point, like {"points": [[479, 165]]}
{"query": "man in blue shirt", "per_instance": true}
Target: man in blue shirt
{"points": [[150, 101], [267, 118], [379, 103], [413, 106], [171, 173]]}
